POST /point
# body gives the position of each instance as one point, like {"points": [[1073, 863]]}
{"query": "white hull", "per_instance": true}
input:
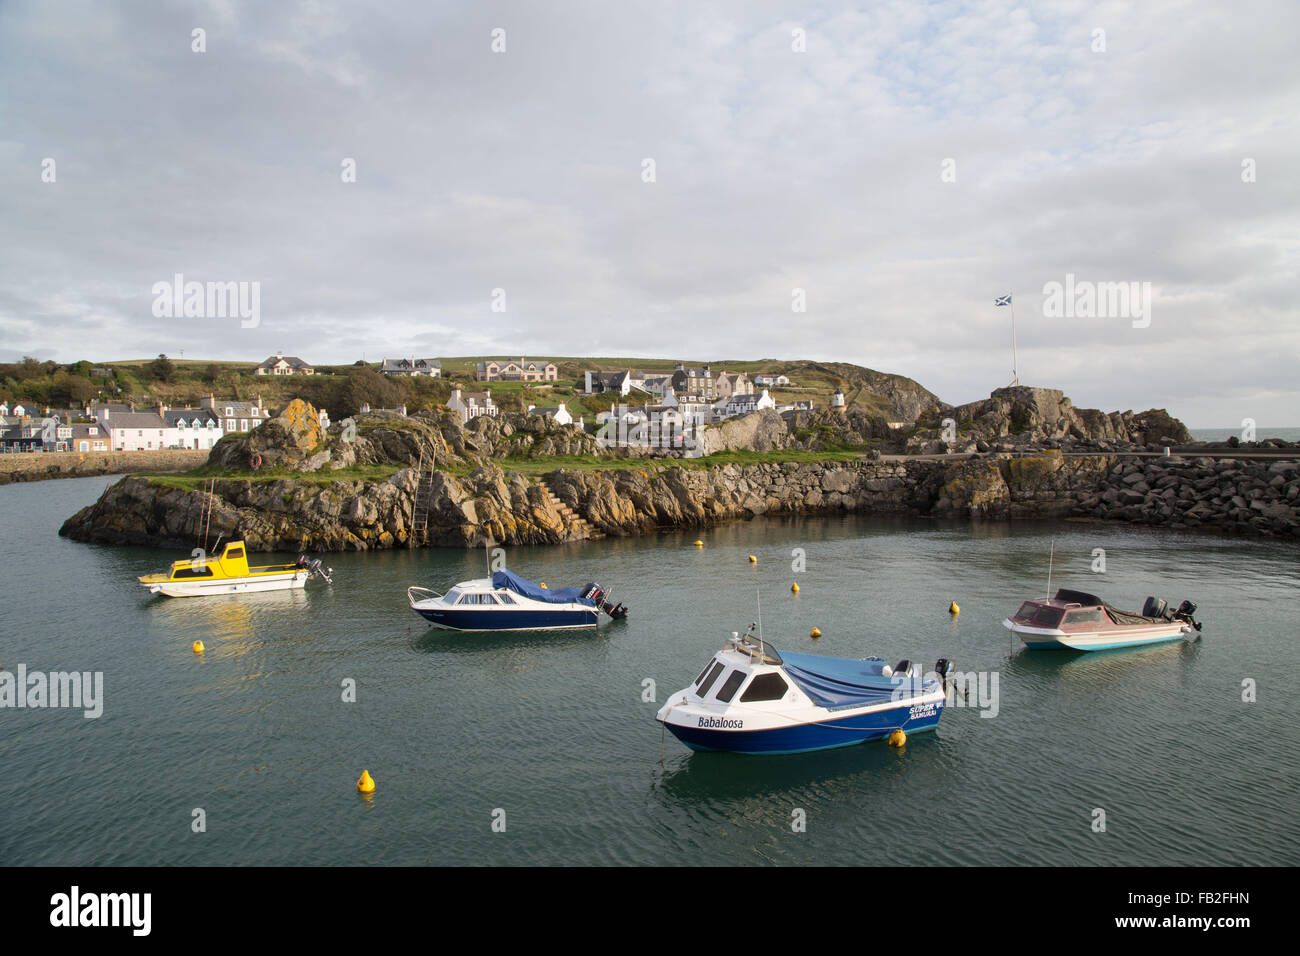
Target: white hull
{"points": [[249, 585], [1100, 640]]}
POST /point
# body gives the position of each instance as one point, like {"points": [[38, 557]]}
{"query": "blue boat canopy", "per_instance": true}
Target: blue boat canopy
{"points": [[529, 589], [835, 682]]}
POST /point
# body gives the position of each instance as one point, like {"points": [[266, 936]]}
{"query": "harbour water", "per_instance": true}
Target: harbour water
{"points": [[554, 733]]}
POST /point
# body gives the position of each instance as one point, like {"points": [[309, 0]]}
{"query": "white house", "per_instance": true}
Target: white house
{"points": [[412, 367], [236, 416], [558, 413], [194, 427], [742, 405], [281, 364], [597, 382], [136, 431], [471, 404]]}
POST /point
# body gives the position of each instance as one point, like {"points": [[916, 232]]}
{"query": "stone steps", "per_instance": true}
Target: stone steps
{"points": [[578, 521]]}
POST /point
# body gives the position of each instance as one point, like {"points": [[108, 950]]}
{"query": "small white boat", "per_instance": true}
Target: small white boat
{"points": [[752, 699], [230, 573], [507, 602], [1078, 621]]}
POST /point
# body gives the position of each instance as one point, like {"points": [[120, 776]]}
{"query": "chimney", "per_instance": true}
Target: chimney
{"points": [[279, 355]]}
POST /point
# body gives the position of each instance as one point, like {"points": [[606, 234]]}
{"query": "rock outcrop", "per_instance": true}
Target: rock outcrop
{"points": [[1029, 416]]}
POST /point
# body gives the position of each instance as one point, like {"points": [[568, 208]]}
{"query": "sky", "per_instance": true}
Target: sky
{"points": [[670, 179]]}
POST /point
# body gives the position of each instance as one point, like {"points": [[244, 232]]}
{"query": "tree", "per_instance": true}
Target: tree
{"points": [[162, 369]]}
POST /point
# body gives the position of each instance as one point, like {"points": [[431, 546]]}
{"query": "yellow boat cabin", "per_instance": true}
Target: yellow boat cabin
{"points": [[228, 572]]}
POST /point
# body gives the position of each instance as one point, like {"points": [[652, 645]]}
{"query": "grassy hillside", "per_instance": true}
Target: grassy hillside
{"points": [[341, 389]]}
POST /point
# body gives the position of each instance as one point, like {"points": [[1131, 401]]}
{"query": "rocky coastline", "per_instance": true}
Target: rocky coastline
{"points": [[453, 486]]}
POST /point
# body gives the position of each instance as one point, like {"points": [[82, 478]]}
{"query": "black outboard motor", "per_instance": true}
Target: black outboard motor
{"points": [[595, 593], [1154, 607], [1185, 612]]}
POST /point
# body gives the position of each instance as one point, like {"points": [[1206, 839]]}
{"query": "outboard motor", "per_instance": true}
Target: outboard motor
{"points": [[943, 669], [904, 669], [313, 566], [1154, 607], [595, 593], [1185, 612]]}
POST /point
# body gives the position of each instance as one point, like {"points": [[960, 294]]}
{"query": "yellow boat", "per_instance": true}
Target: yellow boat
{"points": [[229, 573]]}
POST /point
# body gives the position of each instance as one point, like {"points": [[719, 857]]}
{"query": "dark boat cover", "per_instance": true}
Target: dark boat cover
{"points": [[1091, 600], [529, 589], [835, 682]]}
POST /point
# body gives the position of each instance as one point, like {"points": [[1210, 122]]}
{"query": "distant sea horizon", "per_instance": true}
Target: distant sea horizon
{"points": [[1261, 433]]}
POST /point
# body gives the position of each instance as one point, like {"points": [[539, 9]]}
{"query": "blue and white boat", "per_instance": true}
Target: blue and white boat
{"points": [[752, 699], [507, 602]]}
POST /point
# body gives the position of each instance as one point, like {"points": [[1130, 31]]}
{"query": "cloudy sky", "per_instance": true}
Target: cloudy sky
{"points": [[902, 164]]}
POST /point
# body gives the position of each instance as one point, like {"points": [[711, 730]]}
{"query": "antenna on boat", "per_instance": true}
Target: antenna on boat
{"points": [[1050, 557], [758, 599]]}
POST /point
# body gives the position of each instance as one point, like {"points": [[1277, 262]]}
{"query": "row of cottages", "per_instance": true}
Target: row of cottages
{"points": [[693, 385], [117, 426], [512, 371], [413, 367], [281, 364]]}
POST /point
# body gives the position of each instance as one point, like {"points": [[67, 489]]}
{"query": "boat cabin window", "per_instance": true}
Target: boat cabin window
{"points": [[765, 687], [1047, 617], [192, 572], [708, 681], [731, 685], [505, 598], [452, 596], [703, 672], [234, 552], [477, 599], [1083, 617]]}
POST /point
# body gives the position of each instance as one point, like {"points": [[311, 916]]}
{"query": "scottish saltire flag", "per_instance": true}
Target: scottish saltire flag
{"points": [[1004, 300]]}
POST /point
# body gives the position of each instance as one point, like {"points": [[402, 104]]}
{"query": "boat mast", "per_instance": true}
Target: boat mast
{"points": [[758, 599], [1051, 555]]}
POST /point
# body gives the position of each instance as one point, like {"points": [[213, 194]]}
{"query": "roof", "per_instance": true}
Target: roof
{"points": [[403, 364], [287, 359], [136, 420], [190, 414]]}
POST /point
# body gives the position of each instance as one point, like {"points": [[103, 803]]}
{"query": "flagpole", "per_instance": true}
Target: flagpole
{"points": [[1015, 373]]}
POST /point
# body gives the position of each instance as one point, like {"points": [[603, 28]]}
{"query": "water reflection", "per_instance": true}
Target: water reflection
{"points": [[711, 777]]}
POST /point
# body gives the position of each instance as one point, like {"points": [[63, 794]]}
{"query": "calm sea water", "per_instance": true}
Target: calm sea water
{"points": [[1261, 433], [553, 729]]}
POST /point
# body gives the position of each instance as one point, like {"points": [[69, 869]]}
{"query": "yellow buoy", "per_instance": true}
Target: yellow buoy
{"points": [[753, 560], [366, 784], [897, 738], [699, 544], [795, 587], [198, 647], [815, 632], [953, 608]]}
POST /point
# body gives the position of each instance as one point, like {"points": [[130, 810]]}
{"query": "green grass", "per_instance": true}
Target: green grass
{"points": [[195, 479]]}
